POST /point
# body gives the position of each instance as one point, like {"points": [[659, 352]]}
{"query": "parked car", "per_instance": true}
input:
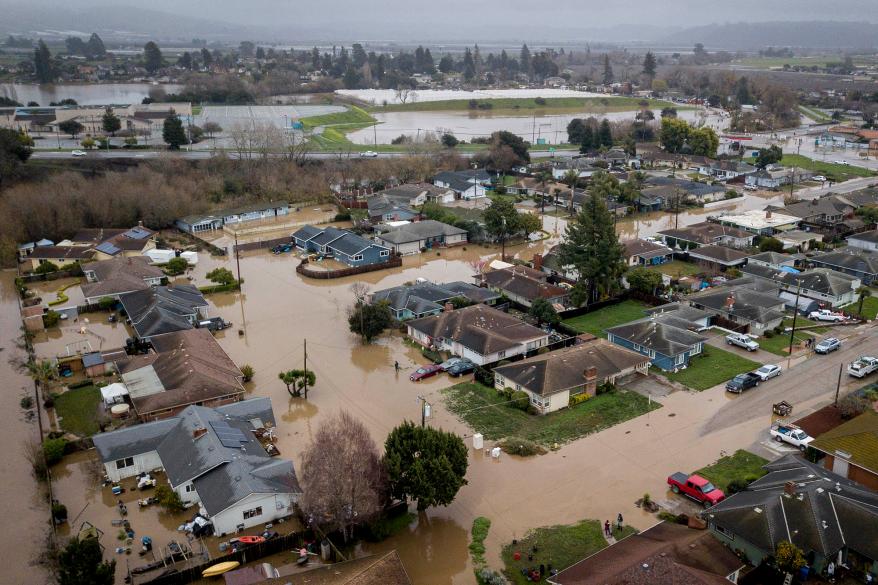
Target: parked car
{"points": [[742, 382], [78, 153], [425, 372], [742, 341], [446, 365], [767, 372], [282, 248], [464, 366], [826, 315], [820, 178], [751, 187], [841, 162], [791, 434], [828, 345], [368, 154], [863, 366], [696, 488]]}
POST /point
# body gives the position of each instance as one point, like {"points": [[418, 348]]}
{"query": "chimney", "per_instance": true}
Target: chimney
{"points": [[140, 223], [538, 261], [199, 432], [449, 307], [789, 488], [767, 214], [591, 380]]}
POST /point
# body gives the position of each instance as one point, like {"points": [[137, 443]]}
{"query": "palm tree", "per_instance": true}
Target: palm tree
{"points": [[863, 292], [570, 179], [543, 178], [42, 372]]}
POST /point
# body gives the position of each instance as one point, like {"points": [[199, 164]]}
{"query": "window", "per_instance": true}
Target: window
{"points": [[385, 253], [123, 463], [501, 354], [358, 257], [679, 360], [724, 532], [518, 386], [253, 513], [189, 488], [696, 350]]}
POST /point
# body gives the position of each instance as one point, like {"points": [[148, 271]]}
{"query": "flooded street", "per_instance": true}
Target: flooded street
{"points": [[273, 318], [85, 94]]}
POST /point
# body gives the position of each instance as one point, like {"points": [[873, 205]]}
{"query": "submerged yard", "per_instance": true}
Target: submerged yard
{"points": [[488, 412]]}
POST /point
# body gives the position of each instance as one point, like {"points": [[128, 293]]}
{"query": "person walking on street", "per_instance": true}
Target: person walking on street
{"points": [[396, 366], [607, 528], [619, 522]]}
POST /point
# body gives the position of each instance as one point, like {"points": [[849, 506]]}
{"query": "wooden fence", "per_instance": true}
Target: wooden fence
{"points": [[282, 543], [262, 244], [303, 269], [28, 278]]}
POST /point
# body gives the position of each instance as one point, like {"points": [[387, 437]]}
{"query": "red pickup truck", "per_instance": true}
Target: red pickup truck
{"points": [[697, 488]]}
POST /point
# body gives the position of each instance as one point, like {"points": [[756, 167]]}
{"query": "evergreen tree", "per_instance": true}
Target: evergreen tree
{"points": [[469, 67], [152, 57], [608, 70], [425, 464], [81, 563], [110, 122], [44, 66], [94, 48], [524, 60], [185, 61], [206, 58], [591, 247], [575, 129], [649, 65], [605, 134], [588, 143], [173, 133]]}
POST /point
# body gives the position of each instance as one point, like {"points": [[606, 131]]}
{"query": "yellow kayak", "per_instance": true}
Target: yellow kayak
{"points": [[219, 569]]}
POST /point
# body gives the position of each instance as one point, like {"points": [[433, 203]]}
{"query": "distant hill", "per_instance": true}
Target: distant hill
{"points": [[756, 35]]}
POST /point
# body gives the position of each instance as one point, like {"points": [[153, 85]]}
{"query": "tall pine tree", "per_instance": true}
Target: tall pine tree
{"points": [[649, 65], [44, 66], [608, 70]]}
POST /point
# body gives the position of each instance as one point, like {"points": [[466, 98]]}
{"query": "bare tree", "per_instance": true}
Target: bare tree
{"points": [[296, 146], [343, 479], [244, 139]]}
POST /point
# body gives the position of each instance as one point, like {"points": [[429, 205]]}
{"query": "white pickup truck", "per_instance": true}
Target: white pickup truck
{"points": [[826, 315], [863, 366], [791, 434]]}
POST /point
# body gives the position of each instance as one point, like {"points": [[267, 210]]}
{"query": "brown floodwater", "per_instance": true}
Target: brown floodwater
{"points": [[277, 313]]}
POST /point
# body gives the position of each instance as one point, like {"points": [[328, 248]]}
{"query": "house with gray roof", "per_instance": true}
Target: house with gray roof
{"points": [[646, 253], [524, 285], [118, 276], [772, 259], [468, 184], [413, 194], [413, 237], [426, 298], [343, 245], [217, 458], [827, 516], [755, 311], [705, 234], [718, 258], [668, 346], [827, 287], [205, 222], [856, 262], [164, 309], [864, 240], [724, 170], [382, 207]]}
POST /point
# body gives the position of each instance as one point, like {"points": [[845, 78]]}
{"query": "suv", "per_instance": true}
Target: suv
{"points": [[828, 345], [742, 341]]}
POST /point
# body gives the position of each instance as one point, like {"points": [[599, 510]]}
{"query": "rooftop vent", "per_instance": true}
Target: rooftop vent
{"points": [[757, 510]]}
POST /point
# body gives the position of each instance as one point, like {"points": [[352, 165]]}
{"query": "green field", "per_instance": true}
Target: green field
{"points": [[531, 106], [780, 343], [602, 319], [677, 269], [558, 546], [815, 114], [489, 413], [352, 116], [870, 306], [78, 410], [714, 366], [742, 465], [830, 170]]}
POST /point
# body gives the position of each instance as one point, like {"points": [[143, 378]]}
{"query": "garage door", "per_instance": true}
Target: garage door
{"points": [[840, 466]]}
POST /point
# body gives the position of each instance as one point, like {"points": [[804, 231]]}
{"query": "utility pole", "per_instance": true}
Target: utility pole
{"points": [[424, 407], [375, 133], [838, 384], [503, 242], [238, 261], [306, 369], [795, 314]]}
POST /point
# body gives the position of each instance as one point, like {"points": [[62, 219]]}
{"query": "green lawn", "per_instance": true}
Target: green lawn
{"points": [[827, 169], [598, 321], [780, 344], [484, 410], [714, 366], [677, 269], [530, 105], [870, 306], [353, 117], [78, 410], [742, 465], [558, 546]]}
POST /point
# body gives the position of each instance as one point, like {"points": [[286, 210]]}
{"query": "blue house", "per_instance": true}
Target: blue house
{"points": [[344, 246], [668, 347]]}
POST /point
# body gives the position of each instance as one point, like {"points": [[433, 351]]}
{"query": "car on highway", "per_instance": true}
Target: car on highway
{"points": [[820, 178], [368, 154], [78, 153], [462, 367], [742, 341], [742, 382], [826, 315], [828, 345], [425, 372], [767, 372], [841, 162]]}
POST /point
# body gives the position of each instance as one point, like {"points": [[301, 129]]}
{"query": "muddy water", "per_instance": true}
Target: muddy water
{"points": [[24, 510]]}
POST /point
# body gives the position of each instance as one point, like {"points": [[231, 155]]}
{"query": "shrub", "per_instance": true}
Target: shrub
{"points": [[51, 318], [531, 409], [737, 485], [605, 388], [53, 449], [169, 499], [106, 303], [247, 371], [481, 526], [176, 266], [26, 402], [578, 399], [520, 447], [46, 268], [769, 334], [346, 216], [540, 101], [222, 276], [484, 376], [520, 399], [852, 405]]}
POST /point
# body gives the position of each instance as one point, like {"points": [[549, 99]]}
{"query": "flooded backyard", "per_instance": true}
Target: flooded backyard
{"points": [[273, 316]]}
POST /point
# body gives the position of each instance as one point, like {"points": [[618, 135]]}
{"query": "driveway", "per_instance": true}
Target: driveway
{"points": [[760, 355]]}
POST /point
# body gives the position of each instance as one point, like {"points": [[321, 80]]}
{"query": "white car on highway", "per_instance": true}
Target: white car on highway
{"points": [[841, 162], [368, 154], [78, 153], [768, 372]]}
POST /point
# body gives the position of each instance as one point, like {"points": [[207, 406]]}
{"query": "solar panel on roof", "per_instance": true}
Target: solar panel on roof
{"points": [[137, 233], [108, 248], [229, 436]]}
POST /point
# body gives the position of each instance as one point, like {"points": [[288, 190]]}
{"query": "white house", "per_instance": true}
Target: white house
{"points": [[213, 457], [864, 240], [479, 333], [467, 184]]}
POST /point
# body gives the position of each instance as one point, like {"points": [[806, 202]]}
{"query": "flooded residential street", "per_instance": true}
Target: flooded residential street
{"points": [[279, 313]]}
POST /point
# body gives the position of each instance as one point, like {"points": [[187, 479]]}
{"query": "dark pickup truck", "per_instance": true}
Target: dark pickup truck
{"points": [[696, 487], [742, 382]]}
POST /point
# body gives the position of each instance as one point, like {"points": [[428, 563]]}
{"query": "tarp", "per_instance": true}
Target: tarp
{"points": [[113, 393]]}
